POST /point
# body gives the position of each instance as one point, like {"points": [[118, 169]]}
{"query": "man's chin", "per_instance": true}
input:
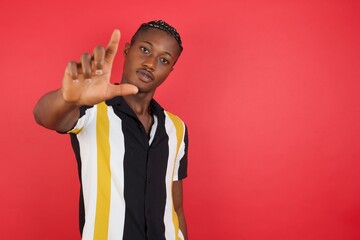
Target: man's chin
{"points": [[144, 88]]}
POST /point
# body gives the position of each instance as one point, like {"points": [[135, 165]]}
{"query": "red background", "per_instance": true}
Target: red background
{"points": [[268, 89]]}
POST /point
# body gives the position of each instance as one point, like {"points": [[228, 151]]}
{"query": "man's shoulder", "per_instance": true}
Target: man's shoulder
{"points": [[158, 108], [175, 119], [172, 115]]}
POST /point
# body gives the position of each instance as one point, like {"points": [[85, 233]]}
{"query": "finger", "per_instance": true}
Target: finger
{"points": [[120, 90], [99, 55], [112, 47], [72, 70], [86, 65]]}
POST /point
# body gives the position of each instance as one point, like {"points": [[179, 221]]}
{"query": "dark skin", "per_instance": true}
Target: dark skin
{"points": [[148, 62]]}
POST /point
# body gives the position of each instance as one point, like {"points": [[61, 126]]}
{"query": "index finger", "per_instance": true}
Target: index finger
{"points": [[112, 46]]}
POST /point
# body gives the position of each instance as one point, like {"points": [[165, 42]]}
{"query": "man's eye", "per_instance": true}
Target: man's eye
{"points": [[144, 49], [163, 60]]}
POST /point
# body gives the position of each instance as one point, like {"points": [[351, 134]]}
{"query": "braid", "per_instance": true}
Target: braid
{"points": [[159, 24]]}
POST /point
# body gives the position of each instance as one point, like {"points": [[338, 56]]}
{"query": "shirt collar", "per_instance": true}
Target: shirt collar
{"points": [[124, 107]]}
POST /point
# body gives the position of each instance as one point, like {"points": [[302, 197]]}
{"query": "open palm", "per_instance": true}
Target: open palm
{"points": [[88, 82]]}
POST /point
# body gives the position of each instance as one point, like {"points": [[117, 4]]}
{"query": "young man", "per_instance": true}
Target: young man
{"points": [[131, 153]]}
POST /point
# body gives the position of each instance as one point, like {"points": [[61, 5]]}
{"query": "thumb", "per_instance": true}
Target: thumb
{"points": [[120, 90]]}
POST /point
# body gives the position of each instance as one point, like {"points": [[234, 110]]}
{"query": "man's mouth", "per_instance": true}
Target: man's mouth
{"points": [[144, 75]]}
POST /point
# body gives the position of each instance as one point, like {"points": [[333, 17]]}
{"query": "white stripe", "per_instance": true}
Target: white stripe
{"points": [[88, 153], [117, 201], [85, 119], [168, 219], [180, 234], [153, 130]]}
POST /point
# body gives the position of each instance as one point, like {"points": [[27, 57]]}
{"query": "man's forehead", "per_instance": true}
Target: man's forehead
{"points": [[158, 38]]}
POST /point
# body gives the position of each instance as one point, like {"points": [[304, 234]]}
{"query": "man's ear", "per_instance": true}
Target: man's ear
{"points": [[126, 49]]}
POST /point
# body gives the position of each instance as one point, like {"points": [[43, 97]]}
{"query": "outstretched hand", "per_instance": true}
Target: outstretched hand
{"points": [[88, 82]]}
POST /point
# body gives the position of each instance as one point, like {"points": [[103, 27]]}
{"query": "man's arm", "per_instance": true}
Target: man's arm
{"points": [[177, 192], [53, 112], [84, 84]]}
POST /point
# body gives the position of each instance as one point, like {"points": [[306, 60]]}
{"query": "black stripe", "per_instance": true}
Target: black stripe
{"points": [[76, 148]]}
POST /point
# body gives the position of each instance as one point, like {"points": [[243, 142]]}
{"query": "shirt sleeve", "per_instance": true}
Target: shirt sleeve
{"points": [[86, 115], [182, 158]]}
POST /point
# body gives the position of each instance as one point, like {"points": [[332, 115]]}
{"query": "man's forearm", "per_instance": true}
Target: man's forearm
{"points": [[182, 222], [52, 112]]}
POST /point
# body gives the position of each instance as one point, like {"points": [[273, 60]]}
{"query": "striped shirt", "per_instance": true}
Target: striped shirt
{"points": [[126, 178]]}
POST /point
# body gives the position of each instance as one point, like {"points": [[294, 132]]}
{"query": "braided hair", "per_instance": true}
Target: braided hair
{"points": [[161, 25]]}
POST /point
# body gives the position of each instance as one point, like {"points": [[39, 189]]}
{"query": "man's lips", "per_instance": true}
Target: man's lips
{"points": [[144, 75]]}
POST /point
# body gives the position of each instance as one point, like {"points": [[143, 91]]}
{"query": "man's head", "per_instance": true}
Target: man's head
{"points": [[161, 25], [151, 55]]}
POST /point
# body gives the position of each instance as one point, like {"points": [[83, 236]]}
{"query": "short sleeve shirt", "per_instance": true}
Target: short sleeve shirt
{"points": [[126, 178]]}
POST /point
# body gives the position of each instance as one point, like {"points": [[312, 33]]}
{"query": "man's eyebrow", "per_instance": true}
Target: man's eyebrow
{"points": [[147, 42], [153, 45]]}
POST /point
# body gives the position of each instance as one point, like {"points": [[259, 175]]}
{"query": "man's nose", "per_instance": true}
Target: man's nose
{"points": [[150, 63]]}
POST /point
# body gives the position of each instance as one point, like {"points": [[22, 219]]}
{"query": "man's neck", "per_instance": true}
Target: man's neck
{"points": [[139, 103]]}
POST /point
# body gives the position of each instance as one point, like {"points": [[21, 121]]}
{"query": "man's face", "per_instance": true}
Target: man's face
{"points": [[150, 59]]}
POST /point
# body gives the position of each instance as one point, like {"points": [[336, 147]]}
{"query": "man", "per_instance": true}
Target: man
{"points": [[131, 153]]}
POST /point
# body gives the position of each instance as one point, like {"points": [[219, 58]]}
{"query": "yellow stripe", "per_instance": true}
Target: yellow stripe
{"points": [[179, 135], [103, 174], [75, 131]]}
